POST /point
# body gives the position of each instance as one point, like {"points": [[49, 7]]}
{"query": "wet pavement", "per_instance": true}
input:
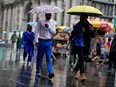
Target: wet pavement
{"points": [[15, 73]]}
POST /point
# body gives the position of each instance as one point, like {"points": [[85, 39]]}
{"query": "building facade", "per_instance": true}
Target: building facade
{"points": [[14, 13]]}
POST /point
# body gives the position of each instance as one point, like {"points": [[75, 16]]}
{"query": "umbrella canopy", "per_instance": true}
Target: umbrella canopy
{"points": [[45, 9], [110, 35], [100, 24], [33, 24], [91, 11]]}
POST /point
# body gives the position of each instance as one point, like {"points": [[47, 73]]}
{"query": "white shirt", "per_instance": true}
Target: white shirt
{"points": [[45, 33]]}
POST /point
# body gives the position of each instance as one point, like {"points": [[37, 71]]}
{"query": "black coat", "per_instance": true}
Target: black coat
{"points": [[88, 34], [112, 53], [113, 46]]}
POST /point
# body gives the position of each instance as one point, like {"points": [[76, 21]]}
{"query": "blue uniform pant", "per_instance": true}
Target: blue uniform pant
{"points": [[45, 47], [28, 50]]}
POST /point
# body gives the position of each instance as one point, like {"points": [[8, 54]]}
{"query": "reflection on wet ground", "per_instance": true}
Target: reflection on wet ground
{"points": [[15, 73]]}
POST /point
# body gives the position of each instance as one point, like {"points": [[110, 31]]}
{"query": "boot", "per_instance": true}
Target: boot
{"points": [[83, 78], [75, 74]]}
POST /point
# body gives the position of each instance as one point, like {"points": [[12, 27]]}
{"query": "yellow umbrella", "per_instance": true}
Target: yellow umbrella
{"points": [[77, 10]]}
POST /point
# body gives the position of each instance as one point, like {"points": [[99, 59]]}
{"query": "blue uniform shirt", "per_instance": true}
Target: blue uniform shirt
{"points": [[28, 38]]}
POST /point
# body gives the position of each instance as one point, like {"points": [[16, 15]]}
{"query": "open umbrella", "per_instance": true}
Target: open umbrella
{"points": [[100, 24], [110, 35], [77, 10], [45, 9], [33, 24]]}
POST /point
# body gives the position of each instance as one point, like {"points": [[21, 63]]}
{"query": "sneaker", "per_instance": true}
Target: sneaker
{"points": [[38, 74], [83, 77], [72, 64], [51, 75], [75, 74], [28, 63]]}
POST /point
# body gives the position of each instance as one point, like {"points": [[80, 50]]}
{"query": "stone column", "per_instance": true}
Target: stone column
{"points": [[1, 20], [13, 17], [16, 17], [20, 16], [73, 18], [4, 19], [113, 13], [53, 3], [67, 16], [4, 22], [114, 10], [9, 23], [35, 16], [85, 2], [59, 18]]}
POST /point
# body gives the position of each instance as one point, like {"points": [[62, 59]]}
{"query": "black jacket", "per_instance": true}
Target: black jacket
{"points": [[113, 46], [88, 34]]}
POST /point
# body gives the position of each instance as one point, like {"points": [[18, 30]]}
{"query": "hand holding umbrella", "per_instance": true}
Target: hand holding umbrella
{"points": [[46, 25]]}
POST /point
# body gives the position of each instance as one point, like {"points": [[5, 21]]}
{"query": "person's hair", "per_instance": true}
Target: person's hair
{"points": [[29, 27], [109, 39], [48, 14], [84, 15]]}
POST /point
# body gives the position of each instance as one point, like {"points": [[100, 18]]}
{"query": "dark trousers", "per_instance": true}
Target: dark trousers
{"points": [[72, 58], [80, 63], [112, 60]]}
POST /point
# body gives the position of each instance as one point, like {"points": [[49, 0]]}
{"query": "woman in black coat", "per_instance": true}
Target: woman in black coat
{"points": [[112, 54]]}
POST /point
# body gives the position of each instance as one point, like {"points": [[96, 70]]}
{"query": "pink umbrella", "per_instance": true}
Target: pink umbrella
{"points": [[45, 9]]}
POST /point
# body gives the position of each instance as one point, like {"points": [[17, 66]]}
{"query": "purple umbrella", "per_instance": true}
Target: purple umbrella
{"points": [[45, 9]]}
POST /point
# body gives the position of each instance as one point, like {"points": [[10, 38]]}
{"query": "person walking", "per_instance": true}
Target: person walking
{"points": [[45, 30], [19, 42], [97, 49], [13, 40], [28, 44], [108, 44], [82, 32], [112, 54]]}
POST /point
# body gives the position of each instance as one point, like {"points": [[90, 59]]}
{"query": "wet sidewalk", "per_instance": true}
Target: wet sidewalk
{"points": [[15, 73]]}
